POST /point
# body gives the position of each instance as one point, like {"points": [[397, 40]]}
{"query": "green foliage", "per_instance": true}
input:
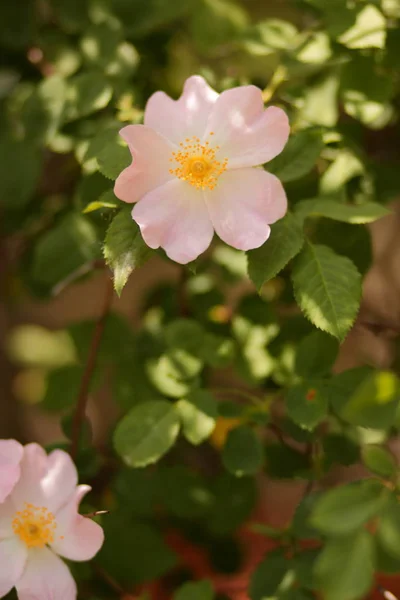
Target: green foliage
{"points": [[243, 452], [146, 433], [327, 288], [208, 378], [286, 240], [124, 248]]}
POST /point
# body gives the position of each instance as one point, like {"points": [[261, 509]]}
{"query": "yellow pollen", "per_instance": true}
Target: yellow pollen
{"points": [[35, 526], [198, 164]]}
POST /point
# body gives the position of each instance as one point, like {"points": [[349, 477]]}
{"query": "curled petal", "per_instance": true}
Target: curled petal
{"points": [[77, 537], [60, 480], [185, 117], [13, 555], [11, 453], [150, 166], [175, 217], [243, 204], [247, 134], [46, 577]]}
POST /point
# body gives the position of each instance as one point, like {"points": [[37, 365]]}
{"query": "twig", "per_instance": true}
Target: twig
{"points": [[80, 409], [96, 513]]}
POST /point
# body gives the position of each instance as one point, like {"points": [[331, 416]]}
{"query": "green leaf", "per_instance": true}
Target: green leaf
{"points": [[174, 373], [199, 590], [62, 388], [235, 498], [285, 241], [380, 461], [306, 404], [243, 452], [63, 250], [271, 576], [316, 355], [345, 509], [113, 155], [369, 30], [146, 433], [389, 529], [344, 570], [87, 93], [217, 22], [345, 166], [137, 491], [365, 398], [124, 249], [327, 288], [143, 18], [320, 103], [347, 213], [198, 414], [133, 552], [184, 493], [20, 165], [349, 240], [283, 462], [299, 156]]}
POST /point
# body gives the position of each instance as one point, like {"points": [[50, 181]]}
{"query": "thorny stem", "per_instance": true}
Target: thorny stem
{"points": [[80, 409]]}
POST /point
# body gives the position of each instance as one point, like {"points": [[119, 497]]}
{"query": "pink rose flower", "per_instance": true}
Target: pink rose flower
{"points": [[39, 522], [10, 457], [193, 169]]}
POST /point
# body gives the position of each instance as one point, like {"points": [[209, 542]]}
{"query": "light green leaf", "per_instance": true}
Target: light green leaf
{"points": [[316, 49], [299, 156], [173, 374], [356, 214], [124, 249], [365, 398], [198, 590], [380, 461], [345, 166], [146, 433], [320, 103], [243, 452], [327, 288], [344, 570], [285, 241], [198, 414], [369, 30], [306, 404], [345, 509]]}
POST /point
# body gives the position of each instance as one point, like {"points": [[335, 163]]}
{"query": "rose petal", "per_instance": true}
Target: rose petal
{"points": [[13, 555], [77, 538], [243, 204], [33, 469], [46, 577], [247, 134], [11, 453], [7, 513], [175, 217], [60, 481], [151, 155], [185, 117]]}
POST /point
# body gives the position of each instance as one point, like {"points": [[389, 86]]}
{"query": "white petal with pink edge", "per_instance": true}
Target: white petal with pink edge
{"points": [[13, 556], [185, 117], [150, 166], [46, 577], [247, 134], [77, 538], [175, 217], [33, 470], [11, 453], [243, 205], [7, 512]]}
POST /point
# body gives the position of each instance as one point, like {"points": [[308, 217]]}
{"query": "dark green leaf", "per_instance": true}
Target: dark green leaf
{"points": [[298, 157], [243, 452], [284, 243], [20, 164], [307, 404], [198, 590], [270, 576], [380, 461], [124, 249], [316, 355], [327, 288]]}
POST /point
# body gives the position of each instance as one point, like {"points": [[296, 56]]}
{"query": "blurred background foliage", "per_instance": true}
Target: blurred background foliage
{"points": [[72, 72]]}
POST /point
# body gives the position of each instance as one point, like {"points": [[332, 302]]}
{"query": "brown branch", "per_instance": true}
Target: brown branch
{"points": [[80, 409]]}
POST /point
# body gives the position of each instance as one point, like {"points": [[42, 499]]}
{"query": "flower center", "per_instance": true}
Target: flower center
{"points": [[197, 163], [35, 526]]}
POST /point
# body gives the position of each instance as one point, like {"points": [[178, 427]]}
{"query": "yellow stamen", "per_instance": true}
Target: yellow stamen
{"points": [[198, 164], [35, 526]]}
